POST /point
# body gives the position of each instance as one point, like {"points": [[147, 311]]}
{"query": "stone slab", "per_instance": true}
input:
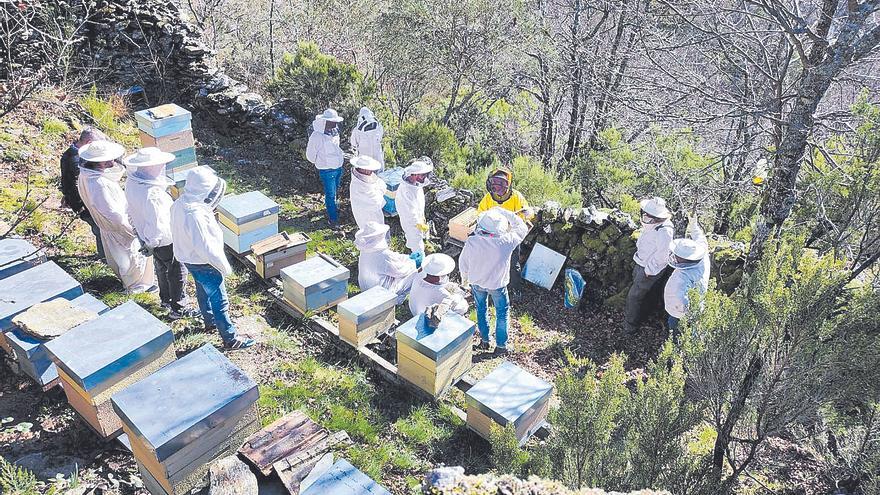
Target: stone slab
{"points": [[40, 283]]}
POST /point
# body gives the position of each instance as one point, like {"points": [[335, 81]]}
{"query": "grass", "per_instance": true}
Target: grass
{"points": [[53, 127], [419, 427], [111, 116], [281, 340], [327, 242]]}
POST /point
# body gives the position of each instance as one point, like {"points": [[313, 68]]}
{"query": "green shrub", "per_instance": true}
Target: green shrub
{"points": [[419, 427], [111, 116], [507, 456], [54, 127], [311, 81], [15, 480], [538, 184], [426, 138]]}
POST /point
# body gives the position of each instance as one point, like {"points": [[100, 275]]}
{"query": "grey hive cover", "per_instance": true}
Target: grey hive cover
{"points": [[439, 342], [344, 479], [17, 255], [367, 304], [315, 273], [243, 208], [507, 392]]}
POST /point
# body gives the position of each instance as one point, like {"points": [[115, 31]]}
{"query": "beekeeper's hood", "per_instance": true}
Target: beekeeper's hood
{"points": [[418, 166], [372, 238], [203, 186], [499, 184], [366, 115], [686, 249], [492, 223]]}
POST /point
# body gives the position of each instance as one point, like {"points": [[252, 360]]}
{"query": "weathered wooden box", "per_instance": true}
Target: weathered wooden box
{"points": [[105, 355], [17, 255], [242, 243], [366, 315], [279, 251], [185, 416], [35, 285], [163, 120], [434, 358], [344, 479], [315, 284], [170, 143], [392, 178], [30, 352], [509, 394], [463, 224]]}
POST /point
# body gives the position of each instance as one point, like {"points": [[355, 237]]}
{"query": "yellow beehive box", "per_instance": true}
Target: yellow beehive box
{"points": [[434, 358], [366, 315], [463, 224]]}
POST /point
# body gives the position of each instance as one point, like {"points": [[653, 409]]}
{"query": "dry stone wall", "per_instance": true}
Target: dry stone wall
{"points": [[452, 481]]}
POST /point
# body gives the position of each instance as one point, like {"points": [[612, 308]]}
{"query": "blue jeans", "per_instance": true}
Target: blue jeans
{"points": [[212, 299], [502, 307], [672, 323], [330, 178]]}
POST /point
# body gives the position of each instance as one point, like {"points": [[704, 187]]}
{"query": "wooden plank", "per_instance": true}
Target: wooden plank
{"points": [[292, 478], [289, 434], [231, 476], [294, 468]]}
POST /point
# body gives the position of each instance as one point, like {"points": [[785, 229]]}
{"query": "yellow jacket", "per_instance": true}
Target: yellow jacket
{"points": [[514, 203]]}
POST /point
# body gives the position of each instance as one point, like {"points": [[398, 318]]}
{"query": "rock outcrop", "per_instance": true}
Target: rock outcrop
{"points": [[452, 481]]}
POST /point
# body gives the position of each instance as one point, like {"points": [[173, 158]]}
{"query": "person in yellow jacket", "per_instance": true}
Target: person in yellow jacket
{"points": [[500, 192]]}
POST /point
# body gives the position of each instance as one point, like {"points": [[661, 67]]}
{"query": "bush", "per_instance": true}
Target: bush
{"points": [[109, 115], [311, 81], [507, 456], [538, 184], [431, 139]]}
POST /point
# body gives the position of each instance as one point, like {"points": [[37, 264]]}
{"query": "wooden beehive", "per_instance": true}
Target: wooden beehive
{"points": [[509, 394], [17, 255], [434, 358], [107, 354], [172, 142], [366, 315], [278, 252], [186, 415], [164, 120], [246, 219], [318, 283], [463, 224]]}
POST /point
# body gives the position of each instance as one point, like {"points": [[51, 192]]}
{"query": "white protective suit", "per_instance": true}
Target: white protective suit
{"points": [[197, 236], [379, 265], [686, 277], [485, 259], [323, 150], [367, 195], [652, 247], [149, 206], [367, 135], [106, 202], [424, 294], [410, 203]]}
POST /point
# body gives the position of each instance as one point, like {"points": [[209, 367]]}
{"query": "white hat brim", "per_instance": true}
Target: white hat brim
{"points": [[445, 265], [330, 119], [163, 158], [365, 162], [696, 255], [664, 213], [112, 152]]}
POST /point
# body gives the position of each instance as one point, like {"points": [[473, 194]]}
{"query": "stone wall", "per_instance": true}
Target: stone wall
{"points": [[452, 481]]}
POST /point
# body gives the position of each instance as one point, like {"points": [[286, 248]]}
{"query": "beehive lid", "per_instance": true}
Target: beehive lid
{"points": [[103, 351], [367, 304], [13, 249], [176, 405], [162, 112], [243, 208], [543, 266], [278, 241], [37, 284], [466, 218], [392, 177], [344, 479], [437, 343], [318, 271], [90, 303], [507, 393]]}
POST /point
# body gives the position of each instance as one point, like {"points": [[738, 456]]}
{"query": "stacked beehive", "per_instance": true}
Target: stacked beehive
{"points": [[434, 358], [315, 284], [508, 395], [17, 255], [181, 418], [246, 219], [169, 128], [103, 356], [343, 479], [40, 324], [366, 315], [392, 177], [24, 289], [279, 251], [463, 224], [178, 180]]}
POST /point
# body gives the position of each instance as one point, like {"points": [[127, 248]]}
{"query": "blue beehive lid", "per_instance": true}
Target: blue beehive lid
{"points": [[242, 208], [367, 304], [314, 274], [99, 353], [344, 479], [507, 393], [176, 405], [17, 255], [439, 342], [391, 177], [24, 289], [162, 116]]}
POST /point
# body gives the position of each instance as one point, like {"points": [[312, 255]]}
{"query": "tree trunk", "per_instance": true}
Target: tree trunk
{"points": [[722, 442], [575, 94]]}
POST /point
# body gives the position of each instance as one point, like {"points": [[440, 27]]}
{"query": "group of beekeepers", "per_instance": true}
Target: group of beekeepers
{"points": [[490, 262], [149, 240]]}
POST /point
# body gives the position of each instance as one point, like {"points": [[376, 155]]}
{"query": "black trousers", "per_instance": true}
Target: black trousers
{"points": [[171, 275], [515, 269]]}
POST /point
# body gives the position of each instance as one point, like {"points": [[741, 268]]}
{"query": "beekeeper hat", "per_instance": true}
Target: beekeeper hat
{"points": [[330, 115], [202, 184], [101, 151], [688, 249], [365, 162], [656, 207], [418, 166], [493, 222], [438, 264], [371, 236], [147, 157]]}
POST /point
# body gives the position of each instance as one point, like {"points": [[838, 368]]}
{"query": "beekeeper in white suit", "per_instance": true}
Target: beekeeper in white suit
{"points": [[435, 288], [324, 152], [651, 257], [98, 186], [410, 202], [367, 191], [379, 265], [198, 243], [690, 261], [366, 138]]}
